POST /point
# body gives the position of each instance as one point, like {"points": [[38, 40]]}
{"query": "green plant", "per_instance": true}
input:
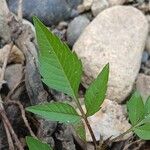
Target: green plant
{"points": [[62, 70], [35, 144], [139, 115]]}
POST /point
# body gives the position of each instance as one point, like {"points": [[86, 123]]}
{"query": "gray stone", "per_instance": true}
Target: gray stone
{"points": [[49, 11], [64, 135], [143, 85], [87, 4], [98, 6], [116, 2], [26, 22], [75, 28], [81, 9], [116, 36], [13, 75], [74, 3], [4, 30], [147, 46], [60, 33], [145, 57]]}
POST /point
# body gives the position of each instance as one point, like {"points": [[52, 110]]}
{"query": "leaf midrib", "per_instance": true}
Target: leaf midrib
{"points": [[49, 111]]}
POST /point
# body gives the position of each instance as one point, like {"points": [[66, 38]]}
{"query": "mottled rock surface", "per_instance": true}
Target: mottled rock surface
{"points": [[13, 75], [116, 2], [4, 30], [98, 6], [116, 36]]}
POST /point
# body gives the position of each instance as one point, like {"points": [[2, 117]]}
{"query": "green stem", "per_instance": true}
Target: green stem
{"points": [[87, 123]]}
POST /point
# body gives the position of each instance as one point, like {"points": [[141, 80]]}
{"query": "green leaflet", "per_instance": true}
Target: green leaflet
{"points": [[139, 116], [34, 144], [135, 109], [56, 111], [80, 130], [59, 67], [96, 92], [143, 131], [147, 107], [146, 112]]}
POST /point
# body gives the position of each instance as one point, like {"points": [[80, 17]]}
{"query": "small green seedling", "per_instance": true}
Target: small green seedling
{"points": [[62, 70]]}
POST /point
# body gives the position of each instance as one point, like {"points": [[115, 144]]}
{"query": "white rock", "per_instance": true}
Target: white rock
{"points": [[81, 9], [98, 6], [110, 121], [117, 35], [116, 2], [87, 4], [143, 85]]}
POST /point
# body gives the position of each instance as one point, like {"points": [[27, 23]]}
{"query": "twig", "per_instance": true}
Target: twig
{"points": [[135, 142], [7, 124], [10, 141], [13, 134], [16, 87], [9, 47], [20, 14], [121, 135], [23, 116]]}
